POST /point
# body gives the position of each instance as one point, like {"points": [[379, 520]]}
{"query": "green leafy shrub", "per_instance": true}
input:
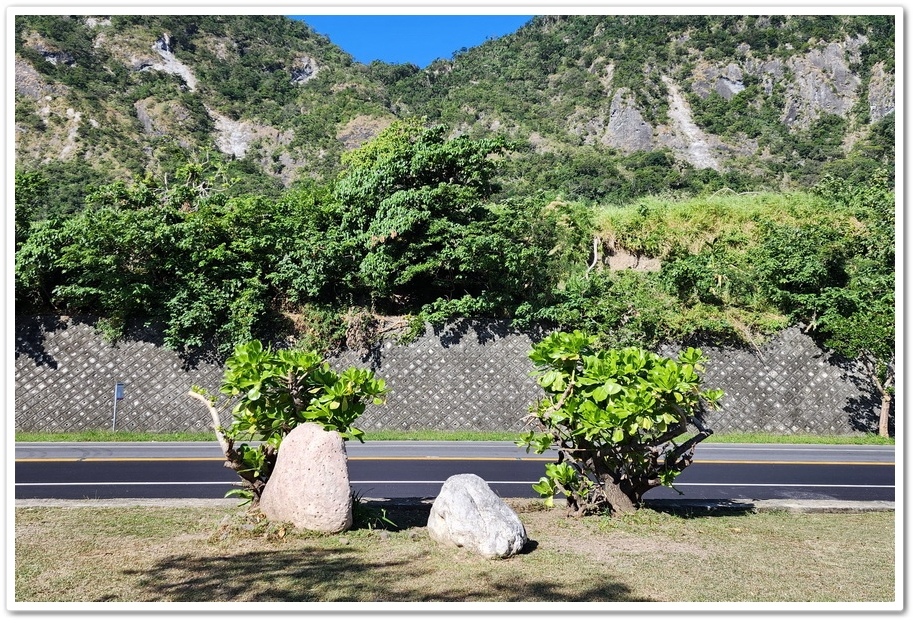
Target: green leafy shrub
{"points": [[795, 263], [276, 390], [621, 308], [616, 418], [718, 274]]}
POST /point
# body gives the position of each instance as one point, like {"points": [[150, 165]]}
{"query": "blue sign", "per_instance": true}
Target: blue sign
{"points": [[119, 391]]}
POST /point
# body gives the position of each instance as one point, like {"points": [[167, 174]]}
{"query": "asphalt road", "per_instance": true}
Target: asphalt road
{"points": [[396, 470]]}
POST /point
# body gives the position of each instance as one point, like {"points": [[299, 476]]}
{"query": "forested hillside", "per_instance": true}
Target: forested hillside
{"points": [[600, 108], [643, 178], [615, 107]]}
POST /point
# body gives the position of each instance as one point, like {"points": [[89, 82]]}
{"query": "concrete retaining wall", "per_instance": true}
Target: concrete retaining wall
{"points": [[469, 376]]}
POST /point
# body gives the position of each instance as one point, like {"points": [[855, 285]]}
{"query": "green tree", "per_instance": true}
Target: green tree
{"points": [[840, 281], [31, 203], [315, 259], [514, 256], [184, 254], [795, 263], [859, 317], [219, 260], [616, 418], [407, 197], [276, 390], [36, 266], [110, 259]]}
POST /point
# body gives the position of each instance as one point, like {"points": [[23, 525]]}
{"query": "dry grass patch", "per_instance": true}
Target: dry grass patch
{"points": [[213, 554]]}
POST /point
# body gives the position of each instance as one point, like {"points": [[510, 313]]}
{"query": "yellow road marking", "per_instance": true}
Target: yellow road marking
{"points": [[432, 458]]}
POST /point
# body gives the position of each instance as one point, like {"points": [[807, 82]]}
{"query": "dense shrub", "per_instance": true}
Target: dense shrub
{"points": [[275, 391], [616, 418]]}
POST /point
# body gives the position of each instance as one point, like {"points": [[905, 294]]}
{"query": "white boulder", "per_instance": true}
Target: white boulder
{"points": [[467, 513]]}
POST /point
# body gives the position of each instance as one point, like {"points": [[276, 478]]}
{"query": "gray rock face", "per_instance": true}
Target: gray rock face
{"points": [[726, 81], [467, 513], [823, 83], [626, 129], [310, 484], [306, 69], [880, 93], [170, 64], [30, 83]]}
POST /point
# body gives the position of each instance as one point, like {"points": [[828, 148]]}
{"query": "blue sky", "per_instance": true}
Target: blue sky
{"points": [[417, 39]]}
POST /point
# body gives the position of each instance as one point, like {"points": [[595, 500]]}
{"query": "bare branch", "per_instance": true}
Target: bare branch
{"points": [[225, 444], [594, 256], [233, 458]]}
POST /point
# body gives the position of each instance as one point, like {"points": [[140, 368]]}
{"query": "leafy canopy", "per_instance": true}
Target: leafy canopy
{"points": [[406, 198], [276, 390], [614, 416]]}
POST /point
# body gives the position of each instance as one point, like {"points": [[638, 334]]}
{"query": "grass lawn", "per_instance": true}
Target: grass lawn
{"points": [[222, 553]]}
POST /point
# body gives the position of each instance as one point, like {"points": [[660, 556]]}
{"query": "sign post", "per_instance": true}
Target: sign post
{"points": [[118, 395]]}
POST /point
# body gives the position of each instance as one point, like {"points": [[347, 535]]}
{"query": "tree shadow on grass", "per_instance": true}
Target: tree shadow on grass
{"points": [[341, 574], [403, 515], [702, 508]]}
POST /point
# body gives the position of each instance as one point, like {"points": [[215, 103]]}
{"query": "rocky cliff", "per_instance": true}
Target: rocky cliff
{"points": [[124, 95]]}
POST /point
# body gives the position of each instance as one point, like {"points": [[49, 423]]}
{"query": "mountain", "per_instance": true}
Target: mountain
{"points": [[599, 107]]}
